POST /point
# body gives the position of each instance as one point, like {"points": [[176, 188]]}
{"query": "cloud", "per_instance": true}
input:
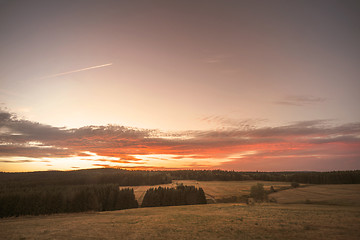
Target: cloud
{"points": [[300, 100], [17, 161], [23, 161], [224, 121], [240, 148]]}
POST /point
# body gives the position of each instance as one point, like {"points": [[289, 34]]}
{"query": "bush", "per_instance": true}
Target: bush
{"points": [[273, 200], [258, 192], [295, 184]]}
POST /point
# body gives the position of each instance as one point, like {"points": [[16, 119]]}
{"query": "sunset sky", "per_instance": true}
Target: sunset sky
{"points": [[233, 85]]}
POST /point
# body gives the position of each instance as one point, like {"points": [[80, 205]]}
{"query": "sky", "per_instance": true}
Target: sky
{"points": [[234, 85]]}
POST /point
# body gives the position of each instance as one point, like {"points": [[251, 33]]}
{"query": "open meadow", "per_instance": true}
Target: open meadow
{"points": [[337, 194], [214, 221], [215, 191]]}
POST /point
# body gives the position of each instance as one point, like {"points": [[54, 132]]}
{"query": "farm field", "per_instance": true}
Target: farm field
{"points": [[215, 191], [214, 221], [340, 194]]}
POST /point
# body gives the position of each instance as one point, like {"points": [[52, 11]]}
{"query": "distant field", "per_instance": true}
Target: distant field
{"points": [[218, 190], [214, 190], [341, 194], [213, 221]]}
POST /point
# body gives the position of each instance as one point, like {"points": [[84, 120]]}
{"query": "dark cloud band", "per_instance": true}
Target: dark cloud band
{"points": [[301, 140]]}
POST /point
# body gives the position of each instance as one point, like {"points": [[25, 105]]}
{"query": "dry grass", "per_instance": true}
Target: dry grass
{"points": [[342, 194], [214, 221], [225, 189], [214, 190]]}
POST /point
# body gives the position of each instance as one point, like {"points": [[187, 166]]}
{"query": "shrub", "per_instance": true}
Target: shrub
{"points": [[273, 200], [295, 184], [250, 201], [258, 192]]}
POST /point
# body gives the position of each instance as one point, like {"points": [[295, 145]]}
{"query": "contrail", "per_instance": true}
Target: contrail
{"points": [[75, 71]]}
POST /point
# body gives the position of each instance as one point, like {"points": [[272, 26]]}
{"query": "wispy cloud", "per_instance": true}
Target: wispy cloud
{"points": [[309, 145], [16, 161], [227, 122], [75, 71], [300, 100]]}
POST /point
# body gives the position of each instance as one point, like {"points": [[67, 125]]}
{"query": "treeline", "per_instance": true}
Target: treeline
{"points": [[65, 199], [84, 177], [334, 177], [181, 195], [209, 175], [136, 178], [35, 193]]}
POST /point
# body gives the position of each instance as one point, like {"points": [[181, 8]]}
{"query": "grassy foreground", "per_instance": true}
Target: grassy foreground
{"points": [[214, 221]]}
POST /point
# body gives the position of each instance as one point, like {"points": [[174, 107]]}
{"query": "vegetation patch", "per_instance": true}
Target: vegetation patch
{"points": [[257, 192], [181, 195], [65, 199]]}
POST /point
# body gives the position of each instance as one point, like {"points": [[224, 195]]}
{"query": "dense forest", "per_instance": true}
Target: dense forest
{"points": [[61, 199], [48, 192], [135, 178], [181, 195], [88, 176]]}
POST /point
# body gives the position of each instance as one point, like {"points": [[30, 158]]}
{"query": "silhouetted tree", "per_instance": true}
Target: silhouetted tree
{"points": [[257, 192]]}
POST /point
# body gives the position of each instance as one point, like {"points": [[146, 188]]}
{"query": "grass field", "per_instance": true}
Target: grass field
{"points": [[341, 194], [215, 191], [214, 221], [339, 218]]}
